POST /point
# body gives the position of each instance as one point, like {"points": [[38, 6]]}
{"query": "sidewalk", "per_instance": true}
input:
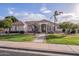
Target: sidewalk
{"points": [[68, 49], [40, 38]]}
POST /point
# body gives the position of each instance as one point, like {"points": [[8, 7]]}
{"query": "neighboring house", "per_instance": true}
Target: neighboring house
{"points": [[42, 26], [17, 26]]}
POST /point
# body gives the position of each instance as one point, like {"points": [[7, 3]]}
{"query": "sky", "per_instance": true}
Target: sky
{"points": [[39, 11]]}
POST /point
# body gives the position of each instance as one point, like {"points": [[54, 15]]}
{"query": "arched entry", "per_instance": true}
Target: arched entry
{"points": [[43, 28]]}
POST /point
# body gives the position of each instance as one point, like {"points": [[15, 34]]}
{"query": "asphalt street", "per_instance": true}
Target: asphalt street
{"points": [[12, 52]]}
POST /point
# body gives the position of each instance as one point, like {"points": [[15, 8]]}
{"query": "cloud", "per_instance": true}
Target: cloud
{"points": [[13, 8], [68, 17], [45, 10], [76, 9], [11, 11], [36, 17], [26, 16], [20, 14], [67, 14], [25, 13], [64, 17], [1, 17]]}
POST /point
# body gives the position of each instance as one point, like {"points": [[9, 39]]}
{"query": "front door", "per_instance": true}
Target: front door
{"points": [[43, 28]]}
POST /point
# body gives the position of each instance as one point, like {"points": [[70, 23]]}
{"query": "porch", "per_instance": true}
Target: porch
{"points": [[40, 28]]}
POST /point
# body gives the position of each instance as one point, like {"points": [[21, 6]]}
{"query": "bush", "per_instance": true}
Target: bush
{"points": [[63, 30], [6, 31], [73, 31], [22, 32]]}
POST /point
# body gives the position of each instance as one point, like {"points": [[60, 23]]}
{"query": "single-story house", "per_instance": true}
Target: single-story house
{"points": [[42, 26]]}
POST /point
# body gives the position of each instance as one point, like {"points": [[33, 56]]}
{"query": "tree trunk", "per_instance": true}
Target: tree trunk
{"points": [[9, 30]]}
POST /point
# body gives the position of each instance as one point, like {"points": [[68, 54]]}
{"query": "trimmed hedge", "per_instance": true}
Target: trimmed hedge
{"points": [[22, 32]]}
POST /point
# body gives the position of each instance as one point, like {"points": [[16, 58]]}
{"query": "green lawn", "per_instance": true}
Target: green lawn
{"points": [[17, 37], [63, 39]]}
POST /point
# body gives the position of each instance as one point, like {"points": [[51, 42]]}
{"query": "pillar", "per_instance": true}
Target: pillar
{"points": [[40, 28], [46, 28]]}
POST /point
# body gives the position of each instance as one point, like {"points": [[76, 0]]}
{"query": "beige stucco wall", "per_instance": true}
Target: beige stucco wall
{"points": [[17, 28]]}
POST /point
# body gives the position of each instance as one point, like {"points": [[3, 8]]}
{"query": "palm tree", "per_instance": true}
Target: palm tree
{"points": [[56, 13]]}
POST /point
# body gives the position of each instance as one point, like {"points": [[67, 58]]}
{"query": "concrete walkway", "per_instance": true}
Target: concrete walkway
{"points": [[69, 49], [40, 38]]}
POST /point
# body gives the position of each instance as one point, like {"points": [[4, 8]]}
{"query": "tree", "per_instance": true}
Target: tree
{"points": [[78, 28], [73, 28], [1, 24], [7, 24], [68, 27], [8, 21], [64, 26], [14, 19]]}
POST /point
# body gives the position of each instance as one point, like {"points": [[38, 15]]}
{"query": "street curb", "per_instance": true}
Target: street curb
{"points": [[27, 49]]}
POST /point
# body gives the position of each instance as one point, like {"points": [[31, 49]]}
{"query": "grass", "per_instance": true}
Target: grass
{"points": [[63, 39], [17, 37]]}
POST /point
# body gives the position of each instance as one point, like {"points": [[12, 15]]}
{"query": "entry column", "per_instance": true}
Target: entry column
{"points": [[46, 28], [40, 28]]}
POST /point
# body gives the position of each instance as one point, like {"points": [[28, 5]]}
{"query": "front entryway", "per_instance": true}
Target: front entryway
{"points": [[43, 28]]}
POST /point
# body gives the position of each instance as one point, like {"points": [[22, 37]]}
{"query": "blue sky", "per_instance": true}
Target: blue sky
{"points": [[26, 11]]}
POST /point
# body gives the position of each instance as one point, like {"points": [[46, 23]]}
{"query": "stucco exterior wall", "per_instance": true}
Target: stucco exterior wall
{"points": [[49, 26], [17, 28]]}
